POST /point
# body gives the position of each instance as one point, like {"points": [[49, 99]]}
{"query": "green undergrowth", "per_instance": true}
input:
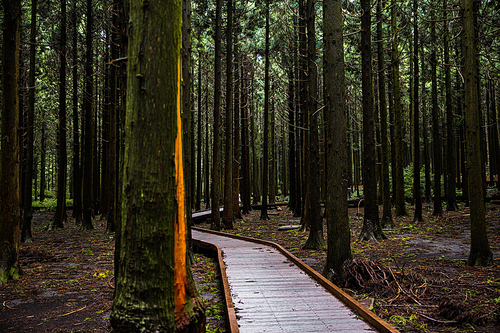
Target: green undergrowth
{"points": [[205, 274]]}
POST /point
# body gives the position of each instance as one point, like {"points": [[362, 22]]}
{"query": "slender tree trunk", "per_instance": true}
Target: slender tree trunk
{"points": [[425, 130], [265, 164], [371, 223], [197, 205], [398, 116], [272, 146], [186, 106], [436, 133], [43, 157], [113, 124], [386, 221], [236, 134], [26, 235], [314, 216], [60, 215], [451, 204], [480, 253], [245, 145], [339, 236], [206, 157], [291, 132], [228, 215], [89, 124], [216, 140], [77, 173], [417, 192]]}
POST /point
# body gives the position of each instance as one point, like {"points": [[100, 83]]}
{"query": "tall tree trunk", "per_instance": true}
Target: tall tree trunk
{"points": [[480, 252], [417, 192], [451, 204], [216, 140], [436, 133], [314, 216], [9, 154], [60, 215], [77, 171], [272, 146], [206, 157], [228, 215], [113, 123], [398, 117], [265, 164], [245, 145], [300, 108], [186, 106], [371, 223], [291, 131], [236, 134], [159, 271], [89, 124], [43, 156], [425, 130], [337, 218], [197, 205], [386, 221], [26, 235]]}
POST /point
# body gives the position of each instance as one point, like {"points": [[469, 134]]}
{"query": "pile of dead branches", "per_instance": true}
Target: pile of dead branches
{"points": [[408, 291], [382, 281]]}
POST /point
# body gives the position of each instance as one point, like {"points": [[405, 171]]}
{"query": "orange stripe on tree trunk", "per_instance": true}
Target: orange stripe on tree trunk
{"points": [[180, 272]]}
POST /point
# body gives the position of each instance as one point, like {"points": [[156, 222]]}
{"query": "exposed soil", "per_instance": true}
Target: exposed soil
{"points": [[417, 279]]}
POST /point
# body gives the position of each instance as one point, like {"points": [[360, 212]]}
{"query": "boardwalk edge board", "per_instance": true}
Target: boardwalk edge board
{"points": [[370, 317], [215, 250]]}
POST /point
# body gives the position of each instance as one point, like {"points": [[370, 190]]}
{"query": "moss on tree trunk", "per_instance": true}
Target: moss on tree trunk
{"points": [[154, 291]]}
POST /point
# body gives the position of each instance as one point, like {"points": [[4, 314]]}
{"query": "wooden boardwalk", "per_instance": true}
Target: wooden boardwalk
{"points": [[272, 294]]}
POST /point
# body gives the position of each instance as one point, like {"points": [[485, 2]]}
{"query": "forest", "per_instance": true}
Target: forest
{"points": [[365, 119]]}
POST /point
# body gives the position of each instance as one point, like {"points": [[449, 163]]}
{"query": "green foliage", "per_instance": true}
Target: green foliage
{"points": [[408, 177], [50, 204]]}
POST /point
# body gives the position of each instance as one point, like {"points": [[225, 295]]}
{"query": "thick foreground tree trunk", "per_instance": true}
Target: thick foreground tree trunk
{"points": [[153, 289], [9, 154]]}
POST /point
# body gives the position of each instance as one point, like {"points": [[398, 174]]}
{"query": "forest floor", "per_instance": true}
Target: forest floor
{"points": [[67, 282], [417, 279]]}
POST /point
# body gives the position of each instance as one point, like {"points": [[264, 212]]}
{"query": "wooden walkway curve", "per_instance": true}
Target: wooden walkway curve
{"points": [[271, 293]]}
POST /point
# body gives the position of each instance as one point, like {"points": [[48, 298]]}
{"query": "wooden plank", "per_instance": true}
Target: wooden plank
{"points": [[270, 293]]}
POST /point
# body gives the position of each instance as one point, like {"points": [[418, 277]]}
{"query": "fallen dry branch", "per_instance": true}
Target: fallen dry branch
{"points": [[67, 314]]}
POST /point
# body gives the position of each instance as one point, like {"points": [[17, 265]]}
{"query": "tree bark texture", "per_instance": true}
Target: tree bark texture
{"points": [[60, 214], [265, 163], [26, 235], [88, 126], [153, 293], [384, 137], [9, 154], [398, 117], [480, 252], [417, 191], [436, 133], [337, 217], [228, 214], [314, 216], [371, 224], [216, 139]]}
